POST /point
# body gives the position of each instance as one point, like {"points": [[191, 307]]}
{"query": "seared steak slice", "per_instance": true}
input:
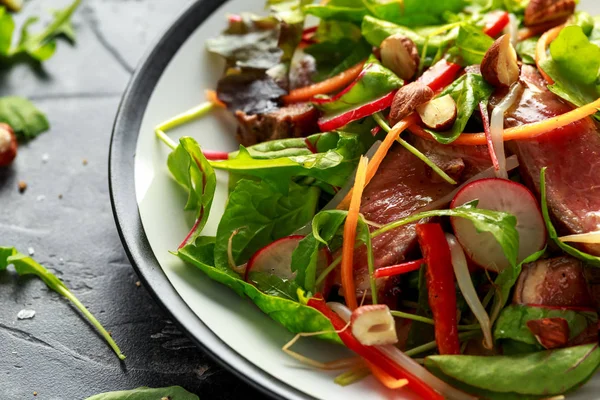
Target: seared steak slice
{"points": [[556, 282], [295, 120], [571, 153]]}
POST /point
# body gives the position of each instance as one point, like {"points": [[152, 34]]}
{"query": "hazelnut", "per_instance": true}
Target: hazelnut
{"points": [[8, 145], [407, 99], [400, 54], [542, 11], [438, 114], [12, 5], [374, 325], [499, 66]]}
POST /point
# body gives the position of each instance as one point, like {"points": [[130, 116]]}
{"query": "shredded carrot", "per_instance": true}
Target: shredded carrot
{"points": [[542, 46], [526, 131], [211, 96], [380, 154], [350, 235], [327, 86], [385, 378]]}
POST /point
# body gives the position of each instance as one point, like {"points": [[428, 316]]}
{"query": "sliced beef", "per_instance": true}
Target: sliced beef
{"points": [[403, 186], [571, 153], [556, 282], [295, 120]]}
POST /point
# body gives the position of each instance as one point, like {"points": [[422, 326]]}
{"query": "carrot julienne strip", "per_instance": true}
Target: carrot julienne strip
{"points": [[386, 379], [350, 225], [211, 96]]}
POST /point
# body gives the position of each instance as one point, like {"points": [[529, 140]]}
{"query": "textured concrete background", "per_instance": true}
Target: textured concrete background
{"points": [[57, 353]]}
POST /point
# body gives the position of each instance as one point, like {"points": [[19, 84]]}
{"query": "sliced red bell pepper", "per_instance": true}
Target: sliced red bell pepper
{"points": [[495, 22], [215, 155], [440, 284], [399, 269], [372, 354]]}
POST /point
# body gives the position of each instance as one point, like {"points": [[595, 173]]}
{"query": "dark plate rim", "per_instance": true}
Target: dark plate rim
{"points": [[125, 209]]}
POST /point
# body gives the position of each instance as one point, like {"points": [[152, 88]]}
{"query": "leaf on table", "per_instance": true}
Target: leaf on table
{"points": [[26, 120], [146, 393]]}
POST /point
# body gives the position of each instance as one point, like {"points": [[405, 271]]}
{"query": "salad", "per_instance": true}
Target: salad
{"points": [[417, 181]]}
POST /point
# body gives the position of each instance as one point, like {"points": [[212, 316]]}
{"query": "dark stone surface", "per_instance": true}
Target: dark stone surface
{"points": [[57, 353]]}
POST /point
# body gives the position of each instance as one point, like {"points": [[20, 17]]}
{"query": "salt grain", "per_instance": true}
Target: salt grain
{"points": [[45, 158], [31, 251], [26, 314]]}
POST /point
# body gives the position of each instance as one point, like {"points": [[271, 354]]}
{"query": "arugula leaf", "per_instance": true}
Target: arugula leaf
{"points": [[588, 258], [575, 78], [467, 91], [146, 393], [25, 265], [194, 173], [292, 315], [262, 215], [470, 46], [512, 322], [526, 50], [25, 119], [41, 46], [545, 373], [331, 164]]}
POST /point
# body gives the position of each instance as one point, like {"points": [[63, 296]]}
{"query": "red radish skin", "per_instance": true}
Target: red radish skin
{"points": [[8, 145], [499, 195]]}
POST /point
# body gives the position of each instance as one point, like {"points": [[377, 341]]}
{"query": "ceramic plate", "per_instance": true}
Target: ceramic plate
{"points": [[148, 207]]}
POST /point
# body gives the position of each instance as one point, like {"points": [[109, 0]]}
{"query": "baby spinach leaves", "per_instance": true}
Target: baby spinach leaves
{"points": [[146, 393], [25, 265], [26, 119], [471, 45]]}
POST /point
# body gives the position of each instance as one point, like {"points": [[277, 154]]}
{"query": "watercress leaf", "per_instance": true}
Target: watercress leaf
{"points": [[25, 265], [467, 91], [194, 173], [547, 373], [26, 120], [414, 12], [512, 322], [146, 393], [292, 315], [7, 27], [470, 46], [261, 215], [588, 258], [526, 50]]}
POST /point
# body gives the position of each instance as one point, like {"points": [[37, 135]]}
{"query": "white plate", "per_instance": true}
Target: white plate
{"points": [[171, 79]]}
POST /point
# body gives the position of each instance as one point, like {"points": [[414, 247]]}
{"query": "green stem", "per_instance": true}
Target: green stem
{"points": [[413, 150], [352, 376], [328, 270], [181, 119], [419, 318], [433, 345], [71, 297], [165, 139]]}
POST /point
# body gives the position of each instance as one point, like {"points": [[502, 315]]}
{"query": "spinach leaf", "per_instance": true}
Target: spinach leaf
{"points": [[340, 10], [274, 286], [526, 50], [261, 215], [414, 12], [146, 393], [25, 119], [331, 164], [467, 91], [470, 46], [546, 373], [575, 78], [512, 322], [292, 315], [588, 258], [25, 265], [194, 173]]}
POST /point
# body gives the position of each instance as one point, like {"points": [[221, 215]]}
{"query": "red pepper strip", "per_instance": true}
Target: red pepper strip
{"points": [[399, 269], [488, 134], [372, 354], [495, 23], [440, 284], [215, 155]]}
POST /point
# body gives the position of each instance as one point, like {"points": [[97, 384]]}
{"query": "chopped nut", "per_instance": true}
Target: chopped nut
{"points": [[60, 196], [8, 145], [499, 66], [400, 54], [542, 11], [550, 332], [438, 114], [35, 393], [22, 186], [374, 325], [138, 283], [85, 161], [407, 99]]}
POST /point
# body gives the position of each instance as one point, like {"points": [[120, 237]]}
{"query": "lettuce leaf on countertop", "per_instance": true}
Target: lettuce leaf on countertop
{"points": [[146, 393], [293, 315]]}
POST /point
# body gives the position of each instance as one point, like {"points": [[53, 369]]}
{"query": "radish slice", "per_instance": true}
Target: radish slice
{"points": [[276, 259], [499, 195]]}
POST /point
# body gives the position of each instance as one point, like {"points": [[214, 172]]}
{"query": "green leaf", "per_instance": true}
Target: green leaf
{"points": [[588, 258], [471, 45], [194, 173], [25, 119], [274, 286], [512, 322], [7, 27], [292, 315], [526, 50], [146, 393], [339, 10], [546, 373], [25, 265], [467, 91], [414, 12], [575, 77], [289, 11], [261, 215]]}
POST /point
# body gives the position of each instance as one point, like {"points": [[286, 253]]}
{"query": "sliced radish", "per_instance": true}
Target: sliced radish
{"points": [[276, 259], [499, 195]]}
